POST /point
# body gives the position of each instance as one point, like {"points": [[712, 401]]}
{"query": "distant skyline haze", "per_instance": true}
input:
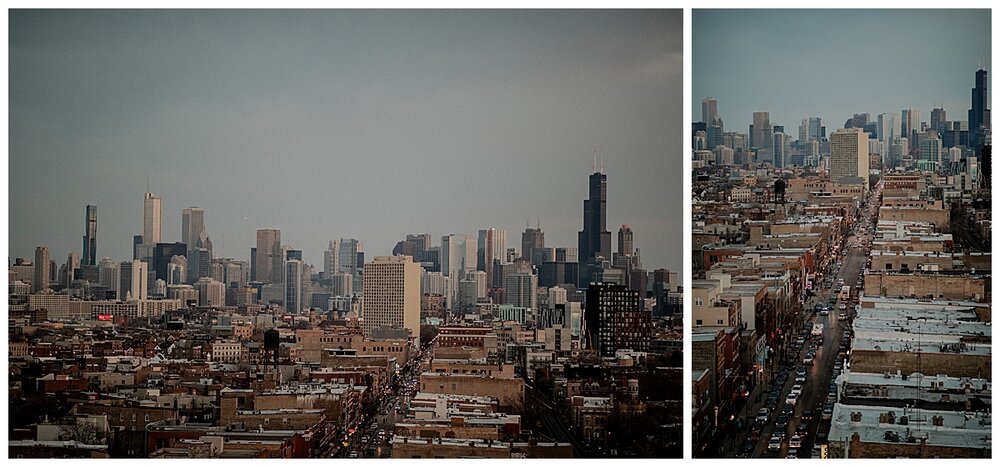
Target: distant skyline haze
{"points": [[333, 124], [832, 64]]}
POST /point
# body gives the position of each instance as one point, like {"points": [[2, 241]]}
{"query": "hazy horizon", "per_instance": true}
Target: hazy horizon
{"points": [[343, 124], [835, 63]]}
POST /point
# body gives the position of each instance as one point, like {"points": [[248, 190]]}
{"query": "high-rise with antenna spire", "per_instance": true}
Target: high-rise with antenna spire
{"points": [[90, 237], [979, 114], [594, 239], [531, 240]]}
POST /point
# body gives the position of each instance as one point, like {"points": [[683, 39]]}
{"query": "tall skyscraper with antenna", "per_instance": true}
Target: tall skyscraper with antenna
{"points": [[595, 240], [531, 240], [90, 237]]}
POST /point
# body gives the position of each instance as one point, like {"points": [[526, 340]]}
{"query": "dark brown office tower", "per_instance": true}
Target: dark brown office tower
{"points": [[625, 240]]}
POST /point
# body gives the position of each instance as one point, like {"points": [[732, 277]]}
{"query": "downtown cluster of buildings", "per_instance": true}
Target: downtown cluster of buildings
{"points": [[771, 216], [178, 353]]}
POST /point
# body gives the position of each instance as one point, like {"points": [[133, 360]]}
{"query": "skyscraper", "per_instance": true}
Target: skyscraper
{"points": [[910, 124], [72, 264], [625, 240], [392, 295], [42, 273], [109, 275], [491, 246], [779, 157], [849, 155], [269, 259], [811, 129], [90, 237], [979, 114], [161, 258], [709, 110], [520, 288], [530, 240], [979, 122], [938, 120], [931, 148], [714, 127], [293, 286], [152, 210], [199, 264], [134, 284], [421, 242], [595, 239], [192, 226], [452, 262], [760, 133]]}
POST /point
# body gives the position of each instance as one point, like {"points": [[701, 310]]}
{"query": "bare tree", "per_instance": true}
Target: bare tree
{"points": [[83, 432]]}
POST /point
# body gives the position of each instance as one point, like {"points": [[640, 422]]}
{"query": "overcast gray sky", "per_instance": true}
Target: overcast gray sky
{"points": [[835, 63], [330, 124]]}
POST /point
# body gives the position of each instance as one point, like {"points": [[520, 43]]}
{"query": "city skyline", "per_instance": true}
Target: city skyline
{"points": [[807, 46], [346, 101]]}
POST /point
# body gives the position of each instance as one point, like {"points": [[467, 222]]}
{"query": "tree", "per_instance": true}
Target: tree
{"points": [[83, 432]]}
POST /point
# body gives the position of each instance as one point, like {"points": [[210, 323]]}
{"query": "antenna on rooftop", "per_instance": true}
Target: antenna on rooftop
{"points": [[595, 159]]}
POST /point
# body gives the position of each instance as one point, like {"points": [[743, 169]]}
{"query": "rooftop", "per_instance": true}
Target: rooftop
{"points": [[915, 386], [958, 429]]}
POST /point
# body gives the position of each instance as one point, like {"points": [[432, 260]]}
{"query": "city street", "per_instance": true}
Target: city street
{"points": [[796, 421]]}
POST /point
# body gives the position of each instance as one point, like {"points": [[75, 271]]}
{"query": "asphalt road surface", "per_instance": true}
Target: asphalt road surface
{"points": [[816, 392]]}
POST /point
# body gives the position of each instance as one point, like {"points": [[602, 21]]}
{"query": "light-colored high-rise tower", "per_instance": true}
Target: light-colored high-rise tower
{"points": [[108, 273], [889, 127], [42, 266], [134, 284], [392, 295], [452, 255], [849, 155], [269, 260], [709, 110], [152, 210], [491, 246], [210, 292], [192, 226]]}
